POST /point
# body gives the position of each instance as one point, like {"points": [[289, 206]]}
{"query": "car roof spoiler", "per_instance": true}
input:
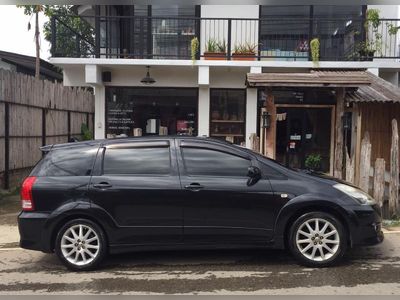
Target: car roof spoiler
{"points": [[46, 149]]}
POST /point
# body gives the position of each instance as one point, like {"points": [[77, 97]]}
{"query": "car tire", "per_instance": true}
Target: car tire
{"points": [[81, 245], [317, 239]]}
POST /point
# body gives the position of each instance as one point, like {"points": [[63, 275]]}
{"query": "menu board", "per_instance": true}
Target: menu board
{"points": [[120, 119]]}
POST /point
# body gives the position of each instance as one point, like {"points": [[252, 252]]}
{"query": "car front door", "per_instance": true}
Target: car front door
{"points": [[139, 187], [219, 205]]}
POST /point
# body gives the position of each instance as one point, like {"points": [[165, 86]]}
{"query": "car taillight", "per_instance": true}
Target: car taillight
{"points": [[26, 194]]}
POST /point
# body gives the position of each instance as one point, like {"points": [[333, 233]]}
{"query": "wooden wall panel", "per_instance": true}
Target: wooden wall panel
{"points": [[376, 119]]}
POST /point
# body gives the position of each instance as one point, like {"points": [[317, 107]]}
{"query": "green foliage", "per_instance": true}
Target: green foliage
{"points": [[246, 48], [373, 18], [373, 43], [67, 25], [214, 46], [194, 47], [313, 162], [314, 44], [392, 29], [86, 133]]}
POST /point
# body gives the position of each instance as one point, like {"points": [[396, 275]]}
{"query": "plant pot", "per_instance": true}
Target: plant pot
{"points": [[366, 55], [244, 56], [214, 56]]}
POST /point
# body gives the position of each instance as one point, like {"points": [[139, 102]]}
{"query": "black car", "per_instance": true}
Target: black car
{"points": [[87, 199]]}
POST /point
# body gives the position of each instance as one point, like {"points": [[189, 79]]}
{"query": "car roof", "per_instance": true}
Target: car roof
{"points": [[105, 142]]}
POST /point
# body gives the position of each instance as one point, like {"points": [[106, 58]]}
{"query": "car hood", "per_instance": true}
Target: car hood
{"points": [[319, 177]]}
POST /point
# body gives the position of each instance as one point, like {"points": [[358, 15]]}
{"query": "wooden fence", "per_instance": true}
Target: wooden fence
{"points": [[374, 178], [34, 113]]}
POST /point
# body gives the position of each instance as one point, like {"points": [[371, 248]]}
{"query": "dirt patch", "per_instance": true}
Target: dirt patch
{"points": [[10, 207]]}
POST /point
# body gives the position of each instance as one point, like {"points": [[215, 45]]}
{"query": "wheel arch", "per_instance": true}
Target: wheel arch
{"points": [[93, 214], [292, 212]]}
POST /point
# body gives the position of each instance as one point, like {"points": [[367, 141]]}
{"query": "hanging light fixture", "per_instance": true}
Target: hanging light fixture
{"points": [[148, 79]]}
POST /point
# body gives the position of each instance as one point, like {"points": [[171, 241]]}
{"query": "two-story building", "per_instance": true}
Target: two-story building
{"points": [[234, 71]]}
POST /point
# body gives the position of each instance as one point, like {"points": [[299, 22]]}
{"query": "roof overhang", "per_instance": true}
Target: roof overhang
{"points": [[352, 79]]}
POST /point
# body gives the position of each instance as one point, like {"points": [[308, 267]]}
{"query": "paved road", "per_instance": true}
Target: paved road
{"points": [[374, 270]]}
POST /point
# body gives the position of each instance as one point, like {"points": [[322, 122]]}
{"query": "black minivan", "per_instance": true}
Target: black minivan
{"points": [[87, 199]]}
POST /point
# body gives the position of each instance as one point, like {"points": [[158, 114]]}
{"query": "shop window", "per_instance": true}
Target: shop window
{"points": [[228, 112], [155, 111]]}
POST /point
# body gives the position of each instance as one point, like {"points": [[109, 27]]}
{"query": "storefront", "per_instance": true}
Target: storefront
{"points": [[304, 125], [137, 111]]}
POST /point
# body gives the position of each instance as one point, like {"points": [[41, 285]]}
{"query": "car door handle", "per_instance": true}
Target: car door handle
{"points": [[194, 187], [102, 185]]}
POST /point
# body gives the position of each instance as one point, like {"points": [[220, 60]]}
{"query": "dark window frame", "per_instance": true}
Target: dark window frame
{"points": [[130, 146], [204, 147]]}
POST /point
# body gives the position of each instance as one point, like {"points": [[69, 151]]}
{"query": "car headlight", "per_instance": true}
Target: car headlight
{"points": [[359, 195]]}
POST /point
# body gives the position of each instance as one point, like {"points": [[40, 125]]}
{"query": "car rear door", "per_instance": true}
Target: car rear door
{"points": [[219, 206], [139, 187]]}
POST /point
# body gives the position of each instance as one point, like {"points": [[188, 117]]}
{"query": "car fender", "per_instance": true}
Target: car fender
{"points": [[76, 209], [306, 202]]}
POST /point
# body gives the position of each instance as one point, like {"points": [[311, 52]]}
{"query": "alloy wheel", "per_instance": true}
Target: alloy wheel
{"points": [[80, 244], [317, 239]]}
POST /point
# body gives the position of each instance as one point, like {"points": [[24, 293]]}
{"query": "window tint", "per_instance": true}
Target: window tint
{"points": [[67, 162], [213, 163], [137, 161]]}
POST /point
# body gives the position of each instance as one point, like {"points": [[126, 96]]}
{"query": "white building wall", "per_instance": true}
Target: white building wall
{"points": [[100, 112], [204, 111]]}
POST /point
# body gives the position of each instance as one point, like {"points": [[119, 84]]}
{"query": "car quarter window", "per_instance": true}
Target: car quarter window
{"points": [[200, 161], [76, 161], [147, 160]]}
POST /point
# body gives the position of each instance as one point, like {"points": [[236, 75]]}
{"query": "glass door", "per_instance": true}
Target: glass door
{"points": [[303, 133]]}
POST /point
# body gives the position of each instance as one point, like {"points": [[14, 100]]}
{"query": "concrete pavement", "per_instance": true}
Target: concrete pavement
{"points": [[364, 271]]}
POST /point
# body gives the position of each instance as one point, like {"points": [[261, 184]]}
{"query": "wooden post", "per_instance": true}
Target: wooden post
{"points": [[379, 180], [357, 151], [394, 172], [338, 162], [365, 163], [349, 168], [6, 146], [270, 135], [255, 142]]}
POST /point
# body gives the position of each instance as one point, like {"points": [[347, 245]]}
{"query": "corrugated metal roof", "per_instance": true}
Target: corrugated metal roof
{"points": [[311, 79], [379, 90]]}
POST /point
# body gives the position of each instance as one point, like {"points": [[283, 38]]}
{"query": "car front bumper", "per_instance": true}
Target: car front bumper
{"points": [[367, 229]]}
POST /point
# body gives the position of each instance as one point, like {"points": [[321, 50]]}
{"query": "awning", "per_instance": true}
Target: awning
{"points": [[379, 91], [311, 79]]}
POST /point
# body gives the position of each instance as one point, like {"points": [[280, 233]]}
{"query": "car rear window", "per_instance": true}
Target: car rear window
{"points": [[66, 162]]}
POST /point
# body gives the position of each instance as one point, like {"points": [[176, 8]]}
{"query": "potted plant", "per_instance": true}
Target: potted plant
{"points": [[245, 51], [315, 50], [215, 50], [194, 48], [373, 41], [313, 162]]}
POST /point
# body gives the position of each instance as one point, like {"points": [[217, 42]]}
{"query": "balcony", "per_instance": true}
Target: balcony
{"points": [[223, 38]]}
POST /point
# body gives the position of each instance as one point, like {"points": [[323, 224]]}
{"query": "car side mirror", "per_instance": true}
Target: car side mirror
{"points": [[254, 174]]}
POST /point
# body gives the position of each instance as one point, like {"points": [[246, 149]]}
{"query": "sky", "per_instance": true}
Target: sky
{"points": [[14, 34]]}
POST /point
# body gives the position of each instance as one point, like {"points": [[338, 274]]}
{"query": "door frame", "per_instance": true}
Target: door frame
{"points": [[333, 114]]}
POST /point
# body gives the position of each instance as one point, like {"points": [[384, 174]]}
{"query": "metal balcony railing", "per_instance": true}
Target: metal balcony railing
{"points": [[223, 38]]}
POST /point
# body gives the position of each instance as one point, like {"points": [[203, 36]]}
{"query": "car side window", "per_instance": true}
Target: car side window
{"points": [[141, 161], [67, 162], [207, 162]]}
